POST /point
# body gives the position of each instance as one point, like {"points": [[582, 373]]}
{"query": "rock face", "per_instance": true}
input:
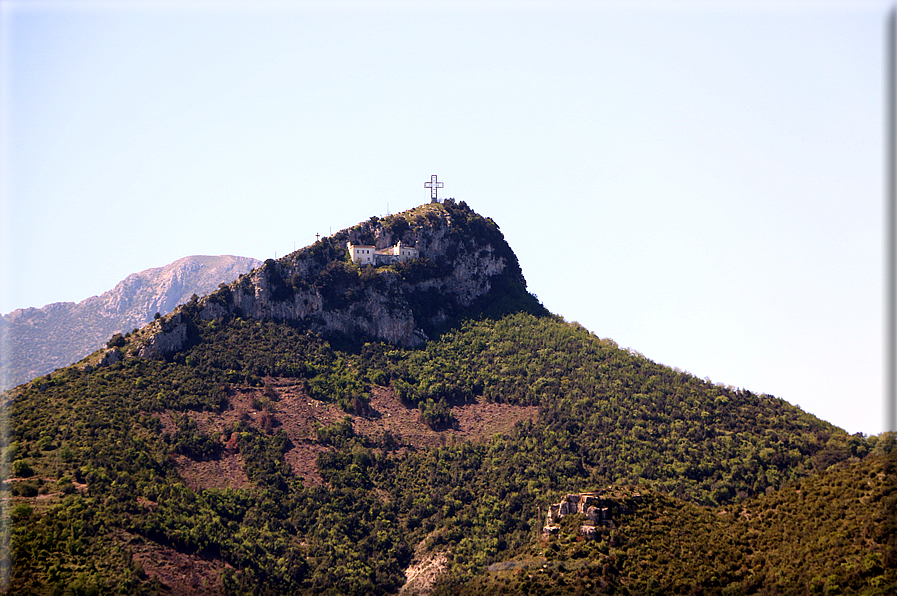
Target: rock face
{"points": [[599, 509], [464, 263], [43, 339]]}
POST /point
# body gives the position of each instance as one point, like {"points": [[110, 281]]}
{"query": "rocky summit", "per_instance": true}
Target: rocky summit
{"points": [[462, 263]]}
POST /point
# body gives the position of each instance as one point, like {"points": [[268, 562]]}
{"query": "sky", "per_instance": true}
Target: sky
{"points": [[702, 182]]}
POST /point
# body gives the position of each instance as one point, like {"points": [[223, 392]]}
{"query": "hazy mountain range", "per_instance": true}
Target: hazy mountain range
{"points": [[43, 339]]}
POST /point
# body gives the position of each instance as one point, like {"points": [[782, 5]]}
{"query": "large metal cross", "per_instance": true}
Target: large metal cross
{"points": [[433, 185]]}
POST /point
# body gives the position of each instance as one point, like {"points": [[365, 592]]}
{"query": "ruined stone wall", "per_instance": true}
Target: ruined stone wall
{"points": [[598, 507]]}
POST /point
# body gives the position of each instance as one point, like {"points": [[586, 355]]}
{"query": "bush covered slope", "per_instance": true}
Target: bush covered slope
{"points": [[105, 459], [831, 533]]}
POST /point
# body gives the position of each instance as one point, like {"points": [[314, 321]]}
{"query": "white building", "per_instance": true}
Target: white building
{"points": [[361, 253], [364, 254]]}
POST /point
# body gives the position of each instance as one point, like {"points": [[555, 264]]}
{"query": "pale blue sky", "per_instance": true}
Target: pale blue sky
{"points": [[702, 182]]}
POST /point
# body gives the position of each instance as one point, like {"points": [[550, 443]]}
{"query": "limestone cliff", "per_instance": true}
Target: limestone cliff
{"points": [[464, 266]]}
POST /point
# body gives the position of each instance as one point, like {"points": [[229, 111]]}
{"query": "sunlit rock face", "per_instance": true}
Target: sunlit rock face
{"points": [[461, 256]]}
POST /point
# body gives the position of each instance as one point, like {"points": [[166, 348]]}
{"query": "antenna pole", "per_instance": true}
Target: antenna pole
{"points": [[890, 409]]}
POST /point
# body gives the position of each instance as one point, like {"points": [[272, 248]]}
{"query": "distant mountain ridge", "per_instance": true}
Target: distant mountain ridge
{"points": [[41, 340]]}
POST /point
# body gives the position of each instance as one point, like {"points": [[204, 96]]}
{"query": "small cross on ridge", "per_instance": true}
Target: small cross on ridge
{"points": [[433, 185]]}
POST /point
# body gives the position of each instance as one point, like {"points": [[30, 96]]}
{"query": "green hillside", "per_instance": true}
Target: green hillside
{"points": [[829, 534], [270, 458]]}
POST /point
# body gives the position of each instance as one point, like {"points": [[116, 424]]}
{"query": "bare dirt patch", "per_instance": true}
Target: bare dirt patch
{"points": [[224, 472], [299, 415], [477, 421], [177, 572], [303, 459], [291, 409], [284, 404]]}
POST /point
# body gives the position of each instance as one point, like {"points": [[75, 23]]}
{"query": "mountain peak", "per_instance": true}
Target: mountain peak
{"points": [[457, 264]]}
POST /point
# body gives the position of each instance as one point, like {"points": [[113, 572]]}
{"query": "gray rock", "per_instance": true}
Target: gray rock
{"points": [[111, 357], [588, 532], [288, 289]]}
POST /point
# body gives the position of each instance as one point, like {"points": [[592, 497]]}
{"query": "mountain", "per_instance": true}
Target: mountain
{"points": [[464, 265], [43, 339], [324, 427]]}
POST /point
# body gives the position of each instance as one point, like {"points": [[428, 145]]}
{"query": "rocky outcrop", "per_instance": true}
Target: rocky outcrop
{"points": [[43, 339], [461, 258], [111, 357], [167, 335], [599, 509]]}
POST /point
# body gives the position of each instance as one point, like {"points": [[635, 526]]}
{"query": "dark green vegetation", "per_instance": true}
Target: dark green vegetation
{"points": [[607, 417], [832, 533]]}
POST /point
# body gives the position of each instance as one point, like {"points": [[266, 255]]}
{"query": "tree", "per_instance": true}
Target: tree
{"points": [[116, 341]]}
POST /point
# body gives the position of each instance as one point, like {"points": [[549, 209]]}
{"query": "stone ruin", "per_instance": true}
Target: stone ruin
{"points": [[596, 506]]}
